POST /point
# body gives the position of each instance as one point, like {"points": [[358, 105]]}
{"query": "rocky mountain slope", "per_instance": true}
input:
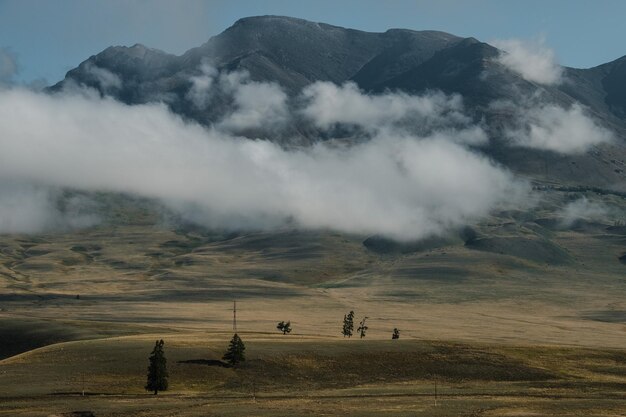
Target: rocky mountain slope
{"points": [[295, 53]]}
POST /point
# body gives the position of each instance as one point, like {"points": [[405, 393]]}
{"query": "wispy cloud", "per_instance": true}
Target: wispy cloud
{"points": [[8, 66], [533, 60], [30, 208], [259, 106], [583, 209], [107, 80], [245, 105], [539, 125], [200, 92], [328, 105]]}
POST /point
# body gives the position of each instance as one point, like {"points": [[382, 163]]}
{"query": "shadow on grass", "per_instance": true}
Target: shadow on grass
{"points": [[207, 362]]}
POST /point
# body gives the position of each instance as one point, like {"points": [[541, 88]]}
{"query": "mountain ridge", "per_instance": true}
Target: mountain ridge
{"points": [[294, 53]]}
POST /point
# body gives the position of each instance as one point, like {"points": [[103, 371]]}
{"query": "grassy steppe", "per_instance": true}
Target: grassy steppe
{"points": [[294, 375], [523, 316]]}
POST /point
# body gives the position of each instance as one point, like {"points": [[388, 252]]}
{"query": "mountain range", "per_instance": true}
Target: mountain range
{"points": [[295, 53]]}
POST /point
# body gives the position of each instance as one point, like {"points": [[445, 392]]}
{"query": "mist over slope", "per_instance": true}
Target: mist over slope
{"points": [[505, 89], [280, 122], [452, 188]]}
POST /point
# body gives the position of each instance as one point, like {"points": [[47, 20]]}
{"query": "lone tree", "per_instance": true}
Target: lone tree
{"points": [[157, 370], [362, 328], [348, 324], [396, 333], [235, 352], [284, 327]]}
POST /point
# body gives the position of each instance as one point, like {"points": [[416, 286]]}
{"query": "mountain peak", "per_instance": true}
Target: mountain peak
{"points": [[294, 53], [270, 19], [138, 50]]}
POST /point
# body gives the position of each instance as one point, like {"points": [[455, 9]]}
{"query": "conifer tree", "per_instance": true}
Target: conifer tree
{"points": [[362, 328], [395, 334], [284, 327], [157, 369], [348, 324], [235, 352]]}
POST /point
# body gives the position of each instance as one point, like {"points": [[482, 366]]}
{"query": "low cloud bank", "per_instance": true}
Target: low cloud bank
{"points": [[413, 173], [397, 185]]}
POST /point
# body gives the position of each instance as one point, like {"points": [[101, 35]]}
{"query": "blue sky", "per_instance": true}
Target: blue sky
{"points": [[51, 37]]}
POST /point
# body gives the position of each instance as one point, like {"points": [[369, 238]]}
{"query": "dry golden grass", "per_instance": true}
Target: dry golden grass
{"points": [[307, 376], [143, 277], [504, 328]]}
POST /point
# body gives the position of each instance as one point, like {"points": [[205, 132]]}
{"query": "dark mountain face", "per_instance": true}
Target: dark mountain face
{"points": [[291, 52], [294, 53], [602, 88]]}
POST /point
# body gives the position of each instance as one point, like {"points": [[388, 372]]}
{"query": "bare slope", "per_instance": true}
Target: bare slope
{"points": [[520, 277]]}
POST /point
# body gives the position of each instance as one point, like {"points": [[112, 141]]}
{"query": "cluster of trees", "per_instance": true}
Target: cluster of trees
{"points": [[348, 327], [235, 353], [157, 368]]}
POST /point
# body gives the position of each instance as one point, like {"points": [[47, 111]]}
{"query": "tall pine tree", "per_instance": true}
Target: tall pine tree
{"points": [[348, 324], [157, 369], [235, 352]]}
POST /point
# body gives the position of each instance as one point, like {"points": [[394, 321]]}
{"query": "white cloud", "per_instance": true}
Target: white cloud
{"points": [[258, 105], [583, 209], [327, 105], [9, 69], [24, 208], [251, 105], [395, 184], [28, 208], [533, 60], [550, 127], [264, 109], [107, 80], [200, 91], [8, 66]]}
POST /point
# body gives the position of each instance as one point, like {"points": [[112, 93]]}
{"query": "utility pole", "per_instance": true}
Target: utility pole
{"points": [[83, 378], [435, 391], [235, 316]]}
